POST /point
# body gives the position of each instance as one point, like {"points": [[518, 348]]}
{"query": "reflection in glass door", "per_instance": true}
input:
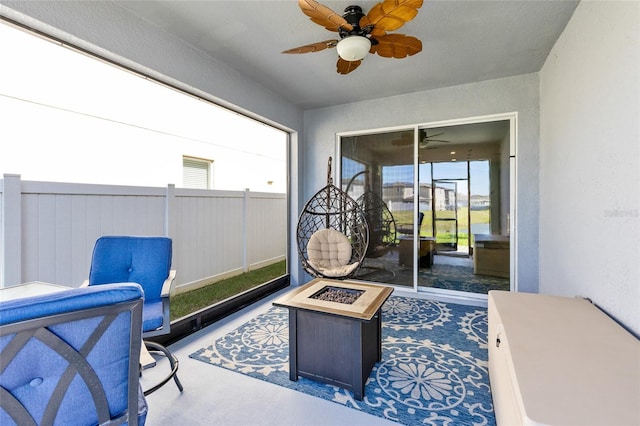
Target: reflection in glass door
{"points": [[377, 170], [450, 213], [445, 215], [410, 186]]}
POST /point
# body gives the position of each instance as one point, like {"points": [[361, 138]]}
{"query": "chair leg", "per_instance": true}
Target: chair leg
{"points": [[173, 361]]}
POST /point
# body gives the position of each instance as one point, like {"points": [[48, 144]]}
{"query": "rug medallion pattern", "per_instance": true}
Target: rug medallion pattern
{"points": [[449, 277], [434, 368]]}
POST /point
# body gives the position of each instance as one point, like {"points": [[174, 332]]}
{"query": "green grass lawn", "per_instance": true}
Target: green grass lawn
{"points": [[477, 216], [194, 300]]}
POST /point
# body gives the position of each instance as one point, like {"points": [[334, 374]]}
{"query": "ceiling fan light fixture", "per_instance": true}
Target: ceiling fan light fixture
{"points": [[353, 48]]}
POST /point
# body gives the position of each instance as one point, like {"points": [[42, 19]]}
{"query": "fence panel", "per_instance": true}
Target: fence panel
{"points": [[215, 233], [208, 234], [267, 224], [61, 222], [2, 256]]}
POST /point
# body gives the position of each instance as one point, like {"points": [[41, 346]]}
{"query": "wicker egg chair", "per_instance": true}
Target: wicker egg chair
{"points": [[382, 233], [382, 226], [332, 233], [380, 221]]}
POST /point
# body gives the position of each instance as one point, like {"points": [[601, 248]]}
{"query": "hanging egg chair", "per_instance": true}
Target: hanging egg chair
{"points": [[382, 232], [380, 221], [381, 224], [332, 233]]}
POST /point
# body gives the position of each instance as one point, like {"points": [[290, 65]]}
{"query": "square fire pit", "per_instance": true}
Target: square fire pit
{"points": [[335, 331]]}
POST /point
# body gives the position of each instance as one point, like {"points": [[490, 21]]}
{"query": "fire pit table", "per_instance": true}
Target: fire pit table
{"points": [[335, 330]]}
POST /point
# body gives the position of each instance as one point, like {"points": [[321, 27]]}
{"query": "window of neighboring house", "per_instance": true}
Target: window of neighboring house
{"points": [[196, 173]]}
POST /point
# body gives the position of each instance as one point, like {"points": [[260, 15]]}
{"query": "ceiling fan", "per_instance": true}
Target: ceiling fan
{"points": [[425, 139], [361, 34]]}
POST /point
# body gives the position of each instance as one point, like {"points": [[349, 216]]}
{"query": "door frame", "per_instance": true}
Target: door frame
{"points": [[435, 219], [443, 294]]}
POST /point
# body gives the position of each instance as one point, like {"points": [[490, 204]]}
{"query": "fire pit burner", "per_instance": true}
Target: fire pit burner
{"points": [[337, 294]]}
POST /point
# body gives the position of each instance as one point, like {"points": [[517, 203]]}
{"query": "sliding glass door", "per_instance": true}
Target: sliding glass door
{"points": [[425, 193]]}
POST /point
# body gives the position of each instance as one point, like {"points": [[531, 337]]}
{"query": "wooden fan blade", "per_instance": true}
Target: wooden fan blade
{"points": [[345, 67], [390, 15], [323, 16], [427, 136], [315, 47], [396, 46], [375, 31]]}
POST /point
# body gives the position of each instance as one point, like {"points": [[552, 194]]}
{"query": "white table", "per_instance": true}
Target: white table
{"points": [[34, 288]]}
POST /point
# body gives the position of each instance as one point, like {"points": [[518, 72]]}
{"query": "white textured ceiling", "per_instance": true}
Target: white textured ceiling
{"points": [[463, 42]]}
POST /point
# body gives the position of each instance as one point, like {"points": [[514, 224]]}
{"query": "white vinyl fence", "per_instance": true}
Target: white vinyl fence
{"points": [[48, 229]]}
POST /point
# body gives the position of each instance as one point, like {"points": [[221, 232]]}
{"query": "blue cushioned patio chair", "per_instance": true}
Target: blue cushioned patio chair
{"points": [[72, 357], [146, 261]]}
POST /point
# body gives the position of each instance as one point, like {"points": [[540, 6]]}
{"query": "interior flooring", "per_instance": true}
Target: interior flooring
{"points": [[450, 272]]}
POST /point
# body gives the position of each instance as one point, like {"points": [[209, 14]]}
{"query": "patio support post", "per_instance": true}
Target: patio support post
{"points": [[245, 218], [11, 244], [170, 211]]}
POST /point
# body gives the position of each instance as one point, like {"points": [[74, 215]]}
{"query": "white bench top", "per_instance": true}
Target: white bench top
{"points": [[571, 363]]}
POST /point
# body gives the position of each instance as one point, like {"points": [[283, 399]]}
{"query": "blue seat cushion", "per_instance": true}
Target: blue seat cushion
{"points": [[152, 316], [36, 369], [74, 299]]}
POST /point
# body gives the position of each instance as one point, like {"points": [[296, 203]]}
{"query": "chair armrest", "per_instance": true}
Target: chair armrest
{"points": [[165, 294], [167, 287]]}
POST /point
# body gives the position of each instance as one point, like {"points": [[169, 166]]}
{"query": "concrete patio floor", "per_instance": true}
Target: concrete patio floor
{"points": [[215, 396]]}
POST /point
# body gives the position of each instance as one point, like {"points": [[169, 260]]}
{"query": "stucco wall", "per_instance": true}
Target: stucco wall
{"points": [[590, 160], [514, 94]]}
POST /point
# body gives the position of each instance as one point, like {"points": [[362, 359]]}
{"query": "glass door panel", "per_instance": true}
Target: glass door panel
{"points": [[451, 223], [377, 171], [461, 191], [480, 205], [445, 214], [426, 200]]}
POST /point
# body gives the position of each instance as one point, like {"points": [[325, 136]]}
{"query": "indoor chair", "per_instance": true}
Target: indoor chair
{"points": [[146, 261], [72, 357]]}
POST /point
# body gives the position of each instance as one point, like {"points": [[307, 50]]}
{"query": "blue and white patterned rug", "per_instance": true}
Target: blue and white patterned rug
{"points": [[450, 277], [434, 367]]}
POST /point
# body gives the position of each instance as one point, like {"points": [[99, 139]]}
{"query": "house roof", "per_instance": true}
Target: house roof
{"points": [[463, 42]]}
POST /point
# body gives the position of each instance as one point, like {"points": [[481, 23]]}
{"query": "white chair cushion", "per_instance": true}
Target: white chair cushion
{"points": [[329, 253], [329, 248], [334, 271]]}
